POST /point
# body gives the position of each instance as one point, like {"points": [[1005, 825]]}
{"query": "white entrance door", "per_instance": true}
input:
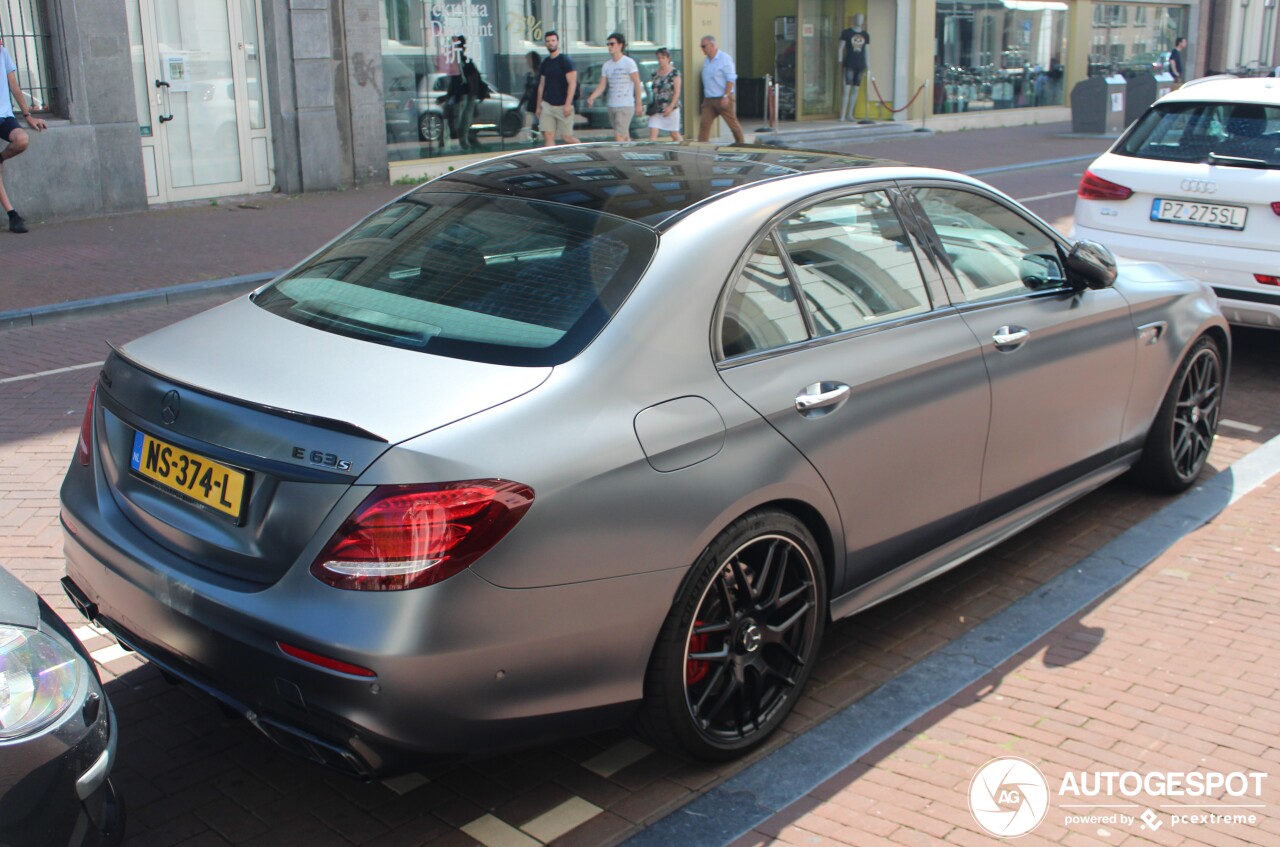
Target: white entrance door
{"points": [[197, 74]]}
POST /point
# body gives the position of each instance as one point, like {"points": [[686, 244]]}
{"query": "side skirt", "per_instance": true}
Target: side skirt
{"points": [[973, 543]]}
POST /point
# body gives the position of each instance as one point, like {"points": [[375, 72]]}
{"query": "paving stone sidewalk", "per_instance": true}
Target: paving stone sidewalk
{"points": [[1177, 671]]}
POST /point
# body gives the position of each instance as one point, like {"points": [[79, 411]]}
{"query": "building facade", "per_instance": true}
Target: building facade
{"points": [[158, 101]]}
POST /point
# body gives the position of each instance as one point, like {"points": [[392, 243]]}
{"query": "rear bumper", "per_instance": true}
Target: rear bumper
{"points": [[1229, 270], [462, 667]]}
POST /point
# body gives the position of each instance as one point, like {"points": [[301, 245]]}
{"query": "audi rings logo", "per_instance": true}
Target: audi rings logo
{"points": [[1008, 797], [1199, 186]]}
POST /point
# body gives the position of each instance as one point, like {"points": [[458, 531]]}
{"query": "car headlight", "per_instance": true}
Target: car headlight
{"points": [[38, 680]]}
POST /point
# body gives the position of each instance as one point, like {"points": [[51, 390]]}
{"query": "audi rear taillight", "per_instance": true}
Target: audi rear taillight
{"points": [[1094, 187], [1275, 207], [83, 448], [1267, 279], [410, 536]]}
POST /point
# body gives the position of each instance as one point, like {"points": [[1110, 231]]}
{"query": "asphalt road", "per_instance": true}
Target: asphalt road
{"points": [[188, 771]]}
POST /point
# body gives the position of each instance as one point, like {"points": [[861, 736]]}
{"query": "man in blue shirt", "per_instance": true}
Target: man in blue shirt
{"points": [[557, 81], [12, 132], [718, 80]]}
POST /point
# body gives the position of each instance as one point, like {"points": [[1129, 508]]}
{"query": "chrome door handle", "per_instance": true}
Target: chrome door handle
{"points": [[821, 396], [1010, 336]]}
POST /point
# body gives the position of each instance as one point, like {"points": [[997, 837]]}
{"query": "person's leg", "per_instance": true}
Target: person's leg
{"points": [[707, 114], [4, 196], [466, 114], [548, 123], [17, 142], [730, 115], [569, 137], [653, 133], [620, 120]]}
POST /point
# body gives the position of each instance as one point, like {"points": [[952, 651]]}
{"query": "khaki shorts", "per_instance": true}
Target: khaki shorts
{"points": [[620, 119], [553, 120]]}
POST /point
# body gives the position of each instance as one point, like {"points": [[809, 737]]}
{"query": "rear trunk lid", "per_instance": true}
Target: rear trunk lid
{"points": [[1220, 205], [229, 437]]}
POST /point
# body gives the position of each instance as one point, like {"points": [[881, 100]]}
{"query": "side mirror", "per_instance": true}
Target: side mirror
{"points": [[1091, 263]]}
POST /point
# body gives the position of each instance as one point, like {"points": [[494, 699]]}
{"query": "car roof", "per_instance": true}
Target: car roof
{"points": [[650, 183], [1227, 89]]}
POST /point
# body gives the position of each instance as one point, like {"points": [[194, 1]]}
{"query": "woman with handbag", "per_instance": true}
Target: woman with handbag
{"points": [[664, 111]]}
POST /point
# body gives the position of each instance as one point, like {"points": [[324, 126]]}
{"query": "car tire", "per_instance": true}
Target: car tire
{"points": [[511, 124], [1182, 435], [431, 129], [738, 645]]}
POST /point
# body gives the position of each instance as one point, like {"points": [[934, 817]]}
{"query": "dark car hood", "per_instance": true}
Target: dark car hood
{"points": [[19, 605]]}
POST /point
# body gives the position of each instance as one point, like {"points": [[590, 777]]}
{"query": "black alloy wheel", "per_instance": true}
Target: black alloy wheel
{"points": [[740, 642], [1182, 436]]}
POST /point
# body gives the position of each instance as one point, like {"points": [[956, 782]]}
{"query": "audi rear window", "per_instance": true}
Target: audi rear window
{"points": [[1242, 134], [491, 279]]}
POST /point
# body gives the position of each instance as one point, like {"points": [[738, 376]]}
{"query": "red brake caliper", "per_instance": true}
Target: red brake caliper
{"points": [[696, 669]]}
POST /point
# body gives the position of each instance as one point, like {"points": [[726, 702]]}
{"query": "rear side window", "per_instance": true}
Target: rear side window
{"points": [[1189, 132], [492, 279], [854, 263], [833, 267], [762, 311]]}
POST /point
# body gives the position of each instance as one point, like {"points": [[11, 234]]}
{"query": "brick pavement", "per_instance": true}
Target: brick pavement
{"points": [[1178, 671]]}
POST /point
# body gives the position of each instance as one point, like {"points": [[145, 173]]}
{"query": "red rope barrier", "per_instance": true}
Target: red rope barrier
{"points": [[892, 110]]}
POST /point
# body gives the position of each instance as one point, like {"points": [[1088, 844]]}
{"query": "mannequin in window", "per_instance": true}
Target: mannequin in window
{"points": [[853, 61]]}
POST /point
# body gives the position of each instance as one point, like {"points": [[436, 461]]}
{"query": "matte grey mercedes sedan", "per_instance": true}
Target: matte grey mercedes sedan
{"points": [[606, 432]]}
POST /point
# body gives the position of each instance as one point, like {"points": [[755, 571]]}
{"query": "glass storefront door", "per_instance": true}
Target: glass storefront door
{"points": [[200, 99], [819, 60]]}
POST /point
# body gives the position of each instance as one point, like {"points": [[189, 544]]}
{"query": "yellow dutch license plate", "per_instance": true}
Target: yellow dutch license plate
{"points": [[189, 475]]}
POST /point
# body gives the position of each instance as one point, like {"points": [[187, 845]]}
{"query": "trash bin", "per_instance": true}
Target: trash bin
{"points": [[1097, 105], [1164, 83], [1140, 93]]}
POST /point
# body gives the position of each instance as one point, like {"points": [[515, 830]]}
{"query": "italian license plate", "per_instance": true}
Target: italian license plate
{"points": [[1198, 214], [189, 475]]}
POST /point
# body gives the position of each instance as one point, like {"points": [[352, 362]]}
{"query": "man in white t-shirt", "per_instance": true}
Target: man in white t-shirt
{"points": [[12, 132], [621, 76]]}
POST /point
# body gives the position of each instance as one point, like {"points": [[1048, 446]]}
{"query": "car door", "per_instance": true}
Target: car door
{"points": [[830, 330], [1060, 357]]}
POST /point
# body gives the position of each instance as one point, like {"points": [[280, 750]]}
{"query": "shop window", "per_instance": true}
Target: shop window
{"points": [[26, 37], [999, 54], [1133, 38], [418, 64]]}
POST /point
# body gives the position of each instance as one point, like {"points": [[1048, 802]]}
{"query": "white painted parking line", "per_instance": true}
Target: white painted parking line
{"points": [[87, 631], [1240, 426], [109, 654], [1046, 196], [617, 757], [53, 372], [492, 832], [568, 815]]}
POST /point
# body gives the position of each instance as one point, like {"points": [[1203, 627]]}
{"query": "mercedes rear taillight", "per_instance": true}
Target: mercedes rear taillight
{"points": [[410, 536]]}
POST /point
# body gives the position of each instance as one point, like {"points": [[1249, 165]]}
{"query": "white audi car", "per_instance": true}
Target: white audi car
{"points": [[1195, 184]]}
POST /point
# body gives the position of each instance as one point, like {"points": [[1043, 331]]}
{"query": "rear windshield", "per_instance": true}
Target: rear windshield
{"points": [[491, 279], [1245, 134]]}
